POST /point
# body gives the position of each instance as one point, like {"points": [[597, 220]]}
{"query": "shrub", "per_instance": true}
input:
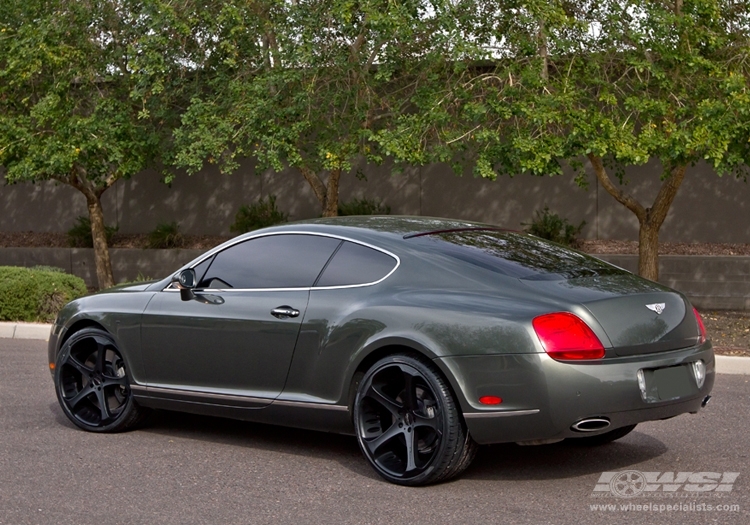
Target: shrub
{"points": [[363, 206], [33, 295], [165, 235], [262, 214], [79, 236], [551, 226]]}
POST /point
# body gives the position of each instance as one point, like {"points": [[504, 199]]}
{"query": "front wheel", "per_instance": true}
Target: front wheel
{"points": [[408, 424], [92, 386]]}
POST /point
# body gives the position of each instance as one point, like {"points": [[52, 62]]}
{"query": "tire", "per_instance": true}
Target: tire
{"points": [[408, 425], [602, 439], [92, 384]]}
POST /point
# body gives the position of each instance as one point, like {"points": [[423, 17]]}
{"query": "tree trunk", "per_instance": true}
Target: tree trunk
{"points": [[543, 49], [331, 206], [649, 219], [648, 252], [327, 195], [102, 261]]}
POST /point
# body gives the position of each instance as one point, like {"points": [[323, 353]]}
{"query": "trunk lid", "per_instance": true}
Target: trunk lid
{"points": [[646, 323], [638, 316]]}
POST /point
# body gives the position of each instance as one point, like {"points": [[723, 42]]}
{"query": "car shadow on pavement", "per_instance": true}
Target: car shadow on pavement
{"points": [[561, 460], [340, 448], [493, 462]]}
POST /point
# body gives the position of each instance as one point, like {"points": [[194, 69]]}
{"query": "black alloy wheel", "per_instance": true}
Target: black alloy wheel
{"points": [[408, 424], [92, 386]]}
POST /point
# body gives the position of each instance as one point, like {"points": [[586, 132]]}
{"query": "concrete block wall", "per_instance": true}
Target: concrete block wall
{"points": [[707, 208], [711, 282]]}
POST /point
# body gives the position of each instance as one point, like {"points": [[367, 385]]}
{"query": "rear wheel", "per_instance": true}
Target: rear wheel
{"points": [[602, 439], [408, 424], [92, 386]]}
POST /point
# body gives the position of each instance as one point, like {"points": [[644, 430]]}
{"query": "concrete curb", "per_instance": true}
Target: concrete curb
{"points": [[730, 364], [25, 331], [725, 364]]}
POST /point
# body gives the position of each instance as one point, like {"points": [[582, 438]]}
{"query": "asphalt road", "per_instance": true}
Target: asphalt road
{"points": [[185, 469]]}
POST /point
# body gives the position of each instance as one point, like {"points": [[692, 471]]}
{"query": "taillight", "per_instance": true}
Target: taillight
{"points": [[701, 326], [565, 336]]}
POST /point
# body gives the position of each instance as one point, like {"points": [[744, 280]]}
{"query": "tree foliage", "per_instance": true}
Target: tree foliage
{"points": [[90, 91], [619, 83], [308, 84], [70, 106]]}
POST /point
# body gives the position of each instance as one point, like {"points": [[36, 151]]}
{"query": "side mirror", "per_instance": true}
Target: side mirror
{"points": [[186, 281]]}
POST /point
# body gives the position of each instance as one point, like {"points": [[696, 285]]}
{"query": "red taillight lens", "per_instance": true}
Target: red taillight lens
{"points": [[566, 336], [701, 326]]}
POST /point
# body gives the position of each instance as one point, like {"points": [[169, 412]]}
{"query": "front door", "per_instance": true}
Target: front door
{"points": [[237, 337], [237, 347]]}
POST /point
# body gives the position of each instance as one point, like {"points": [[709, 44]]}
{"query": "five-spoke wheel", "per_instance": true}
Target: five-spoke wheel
{"points": [[92, 384], [408, 425]]}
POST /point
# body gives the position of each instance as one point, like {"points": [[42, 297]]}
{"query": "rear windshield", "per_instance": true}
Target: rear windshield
{"points": [[515, 254]]}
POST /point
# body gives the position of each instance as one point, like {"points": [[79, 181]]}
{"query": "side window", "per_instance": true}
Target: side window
{"points": [[356, 264], [275, 261], [201, 267]]}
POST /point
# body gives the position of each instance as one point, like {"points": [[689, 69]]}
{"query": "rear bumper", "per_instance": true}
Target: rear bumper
{"points": [[542, 397]]}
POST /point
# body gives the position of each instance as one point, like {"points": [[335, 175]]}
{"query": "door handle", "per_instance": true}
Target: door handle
{"points": [[282, 312]]}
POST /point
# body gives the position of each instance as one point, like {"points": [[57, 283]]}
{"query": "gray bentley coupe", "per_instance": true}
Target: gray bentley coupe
{"points": [[423, 337]]}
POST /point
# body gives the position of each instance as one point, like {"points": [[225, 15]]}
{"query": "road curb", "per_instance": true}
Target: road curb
{"points": [[730, 364], [725, 364], [25, 331]]}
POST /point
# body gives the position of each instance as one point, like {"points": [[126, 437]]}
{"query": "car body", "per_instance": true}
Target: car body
{"points": [[291, 324]]}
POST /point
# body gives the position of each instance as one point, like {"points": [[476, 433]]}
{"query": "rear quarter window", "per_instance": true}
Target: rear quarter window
{"points": [[354, 264]]}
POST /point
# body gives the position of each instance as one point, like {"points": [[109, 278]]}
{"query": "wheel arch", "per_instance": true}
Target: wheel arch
{"points": [[393, 346], [88, 322], [77, 327], [56, 342]]}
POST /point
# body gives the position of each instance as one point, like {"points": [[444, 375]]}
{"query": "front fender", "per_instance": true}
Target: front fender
{"points": [[119, 313]]}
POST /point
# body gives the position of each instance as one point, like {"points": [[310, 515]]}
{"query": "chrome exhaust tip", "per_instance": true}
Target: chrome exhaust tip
{"points": [[705, 401], [591, 424]]}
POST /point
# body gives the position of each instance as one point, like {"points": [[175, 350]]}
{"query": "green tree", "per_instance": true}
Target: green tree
{"points": [[668, 82], [619, 83], [308, 84], [70, 107]]}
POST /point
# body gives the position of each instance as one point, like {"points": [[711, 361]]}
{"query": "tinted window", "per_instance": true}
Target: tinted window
{"points": [[356, 264], [276, 261], [201, 267], [516, 255]]}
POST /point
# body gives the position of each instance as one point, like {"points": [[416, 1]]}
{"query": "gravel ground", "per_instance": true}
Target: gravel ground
{"points": [[119, 240], [729, 331], [666, 248]]}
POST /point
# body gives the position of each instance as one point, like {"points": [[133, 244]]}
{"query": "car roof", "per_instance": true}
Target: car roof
{"points": [[385, 227]]}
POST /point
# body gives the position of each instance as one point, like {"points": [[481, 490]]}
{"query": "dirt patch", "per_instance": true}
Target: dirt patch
{"points": [[729, 331], [119, 240], [666, 248], [203, 242]]}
